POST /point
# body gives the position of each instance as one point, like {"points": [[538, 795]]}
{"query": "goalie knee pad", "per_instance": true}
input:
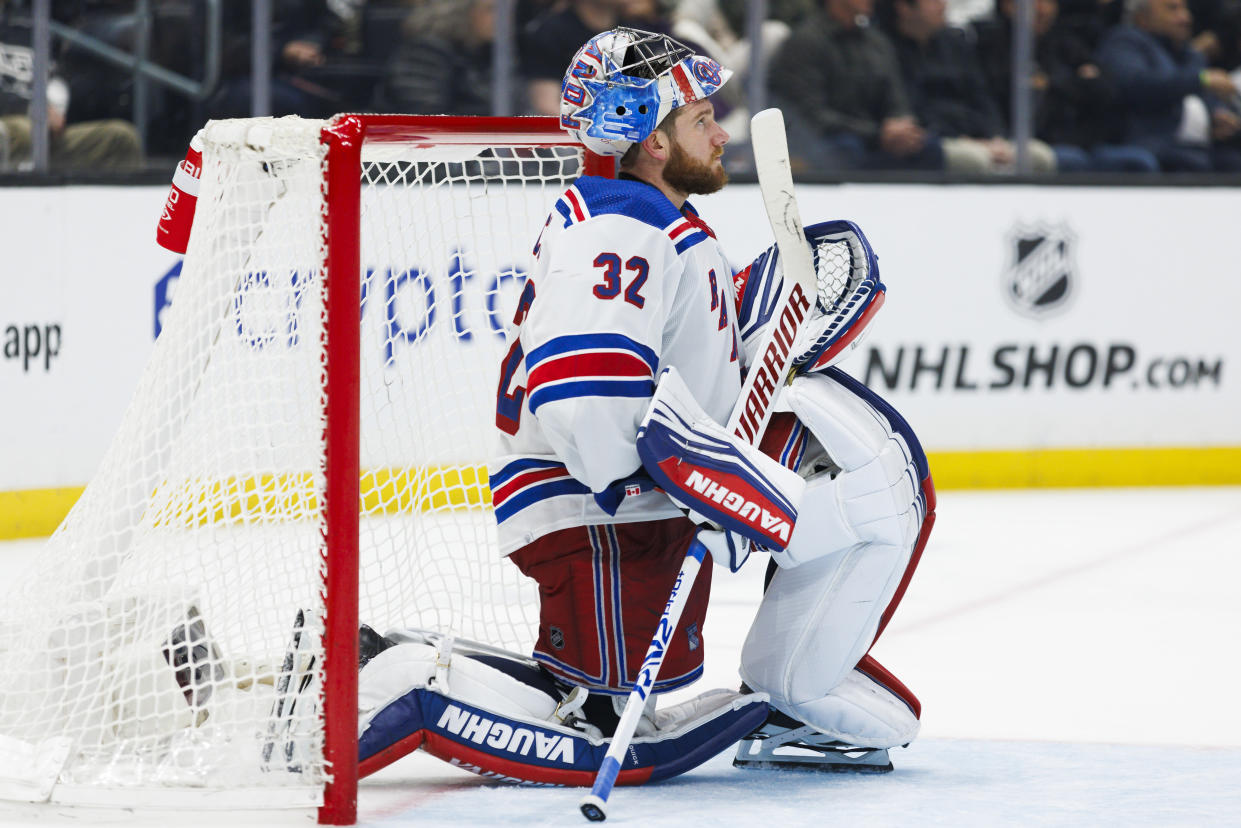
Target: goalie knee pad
{"points": [[499, 716], [866, 481]]}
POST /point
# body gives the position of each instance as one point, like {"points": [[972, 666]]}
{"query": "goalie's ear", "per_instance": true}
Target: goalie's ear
{"points": [[658, 145]]}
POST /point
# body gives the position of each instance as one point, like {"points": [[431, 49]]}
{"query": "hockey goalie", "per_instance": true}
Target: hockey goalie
{"points": [[625, 357]]}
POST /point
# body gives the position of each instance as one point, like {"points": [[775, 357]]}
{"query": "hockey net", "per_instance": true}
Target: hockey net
{"points": [[147, 655]]}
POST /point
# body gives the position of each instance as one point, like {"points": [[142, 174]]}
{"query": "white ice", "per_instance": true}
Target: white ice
{"points": [[1074, 651]]}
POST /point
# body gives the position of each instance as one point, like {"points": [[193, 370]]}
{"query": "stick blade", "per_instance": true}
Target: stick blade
{"points": [[775, 182], [767, 130]]}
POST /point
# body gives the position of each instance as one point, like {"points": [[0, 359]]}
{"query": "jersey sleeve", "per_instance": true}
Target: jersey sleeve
{"points": [[592, 342]]}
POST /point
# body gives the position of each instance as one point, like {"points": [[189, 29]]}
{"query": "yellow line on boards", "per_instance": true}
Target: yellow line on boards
{"points": [[33, 513], [1071, 468]]}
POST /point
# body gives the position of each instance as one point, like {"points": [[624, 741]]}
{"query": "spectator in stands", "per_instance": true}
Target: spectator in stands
{"points": [[710, 24], [526, 11], [838, 81], [961, 13], [1073, 103], [1089, 19], [1231, 50], [101, 89], [948, 90], [315, 70], [550, 41], [789, 12], [720, 26], [1215, 27], [547, 42], [1173, 105], [443, 65], [90, 145]]}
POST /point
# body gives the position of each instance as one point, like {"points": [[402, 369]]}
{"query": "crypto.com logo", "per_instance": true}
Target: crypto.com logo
{"points": [[165, 287]]}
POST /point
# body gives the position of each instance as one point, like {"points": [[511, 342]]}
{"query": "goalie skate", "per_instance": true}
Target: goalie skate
{"points": [[782, 742]]}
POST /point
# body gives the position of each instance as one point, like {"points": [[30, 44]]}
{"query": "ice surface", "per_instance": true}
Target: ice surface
{"points": [[1074, 651]]}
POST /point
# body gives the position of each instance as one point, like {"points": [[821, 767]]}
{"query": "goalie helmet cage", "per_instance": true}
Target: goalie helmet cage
{"points": [[305, 451]]}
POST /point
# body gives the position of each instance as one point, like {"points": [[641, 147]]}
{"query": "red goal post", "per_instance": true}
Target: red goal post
{"points": [[344, 136]]}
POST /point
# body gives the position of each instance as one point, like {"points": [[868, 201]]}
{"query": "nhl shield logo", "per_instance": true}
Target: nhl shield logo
{"points": [[1040, 275]]}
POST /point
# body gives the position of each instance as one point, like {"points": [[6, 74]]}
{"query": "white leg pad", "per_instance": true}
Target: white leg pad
{"points": [[874, 496], [815, 623], [397, 670]]}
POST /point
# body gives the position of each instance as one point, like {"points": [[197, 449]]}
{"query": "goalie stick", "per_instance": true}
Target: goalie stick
{"points": [[750, 415], [774, 358]]}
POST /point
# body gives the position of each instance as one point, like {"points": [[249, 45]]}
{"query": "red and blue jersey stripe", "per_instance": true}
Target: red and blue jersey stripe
{"points": [[685, 232], [572, 206], [590, 196], [589, 365], [527, 481]]}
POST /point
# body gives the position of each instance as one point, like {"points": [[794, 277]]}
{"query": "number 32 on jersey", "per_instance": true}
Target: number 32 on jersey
{"points": [[620, 277], [610, 287]]}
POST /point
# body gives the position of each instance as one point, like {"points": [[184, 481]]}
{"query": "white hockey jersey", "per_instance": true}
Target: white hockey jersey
{"points": [[624, 284]]}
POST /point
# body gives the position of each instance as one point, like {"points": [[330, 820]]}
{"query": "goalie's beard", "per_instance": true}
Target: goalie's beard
{"points": [[691, 176]]}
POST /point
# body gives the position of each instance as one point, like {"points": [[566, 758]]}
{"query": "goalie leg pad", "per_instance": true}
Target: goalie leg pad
{"points": [[867, 489], [820, 616], [815, 623], [714, 474], [925, 503], [481, 718]]}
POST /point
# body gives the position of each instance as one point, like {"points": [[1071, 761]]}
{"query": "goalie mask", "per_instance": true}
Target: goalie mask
{"points": [[624, 82]]}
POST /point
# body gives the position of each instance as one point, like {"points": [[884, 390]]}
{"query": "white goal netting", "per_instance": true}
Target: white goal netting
{"points": [[147, 649]]}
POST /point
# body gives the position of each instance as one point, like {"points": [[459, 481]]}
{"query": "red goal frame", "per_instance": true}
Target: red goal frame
{"points": [[344, 137]]}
